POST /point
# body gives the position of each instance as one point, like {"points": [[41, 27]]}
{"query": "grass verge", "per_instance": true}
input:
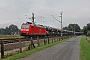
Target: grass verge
{"points": [[85, 49], [10, 36], [21, 55]]}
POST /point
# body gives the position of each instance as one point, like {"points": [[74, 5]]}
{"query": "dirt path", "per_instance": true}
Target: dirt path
{"points": [[68, 50]]}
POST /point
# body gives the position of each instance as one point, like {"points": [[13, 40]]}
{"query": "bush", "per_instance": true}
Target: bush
{"points": [[88, 33]]}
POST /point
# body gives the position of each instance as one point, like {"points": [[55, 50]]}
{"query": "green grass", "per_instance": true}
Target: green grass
{"points": [[85, 49], [21, 55]]}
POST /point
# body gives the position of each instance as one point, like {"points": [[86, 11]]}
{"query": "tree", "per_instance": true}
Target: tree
{"points": [[13, 29], [7, 31], [74, 27], [88, 33], [85, 30], [88, 26], [2, 31], [65, 28]]}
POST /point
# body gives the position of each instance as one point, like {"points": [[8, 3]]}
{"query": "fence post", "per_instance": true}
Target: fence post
{"points": [[38, 41], [52, 40], [48, 40], [20, 45], [32, 44], [44, 42], [2, 49]]}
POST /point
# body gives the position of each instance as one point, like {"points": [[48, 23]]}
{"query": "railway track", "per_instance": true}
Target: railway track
{"points": [[13, 40]]}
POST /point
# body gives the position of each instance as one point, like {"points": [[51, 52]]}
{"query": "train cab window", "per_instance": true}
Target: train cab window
{"points": [[25, 26]]}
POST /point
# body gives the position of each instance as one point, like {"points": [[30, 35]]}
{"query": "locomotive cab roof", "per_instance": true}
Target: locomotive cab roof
{"points": [[28, 22]]}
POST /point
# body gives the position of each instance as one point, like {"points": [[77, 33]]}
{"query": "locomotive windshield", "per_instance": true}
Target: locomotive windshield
{"points": [[25, 26]]}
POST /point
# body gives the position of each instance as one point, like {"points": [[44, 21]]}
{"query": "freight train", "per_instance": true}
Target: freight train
{"points": [[29, 29]]}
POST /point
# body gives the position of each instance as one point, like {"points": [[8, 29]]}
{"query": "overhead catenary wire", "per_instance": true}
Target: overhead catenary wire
{"points": [[23, 8], [9, 9], [20, 7], [48, 13], [34, 6], [17, 5]]}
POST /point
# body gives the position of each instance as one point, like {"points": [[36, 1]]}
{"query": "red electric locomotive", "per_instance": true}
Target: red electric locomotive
{"points": [[29, 29]]}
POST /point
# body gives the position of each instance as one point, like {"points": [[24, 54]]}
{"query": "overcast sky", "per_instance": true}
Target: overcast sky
{"points": [[74, 11]]}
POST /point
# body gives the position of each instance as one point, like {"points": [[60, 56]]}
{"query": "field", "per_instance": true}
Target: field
{"points": [[85, 49], [10, 36]]}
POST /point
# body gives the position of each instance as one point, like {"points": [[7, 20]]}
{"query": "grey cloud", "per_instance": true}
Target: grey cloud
{"points": [[74, 11]]}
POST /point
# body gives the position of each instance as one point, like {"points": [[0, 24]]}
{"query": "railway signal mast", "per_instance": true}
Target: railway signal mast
{"points": [[33, 18], [61, 22]]}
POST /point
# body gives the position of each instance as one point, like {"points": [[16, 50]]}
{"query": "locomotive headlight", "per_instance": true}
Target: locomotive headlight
{"points": [[27, 29], [21, 29]]}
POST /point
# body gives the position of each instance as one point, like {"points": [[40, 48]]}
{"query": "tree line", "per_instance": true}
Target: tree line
{"points": [[73, 27], [86, 29], [76, 28], [14, 30], [10, 30]]}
